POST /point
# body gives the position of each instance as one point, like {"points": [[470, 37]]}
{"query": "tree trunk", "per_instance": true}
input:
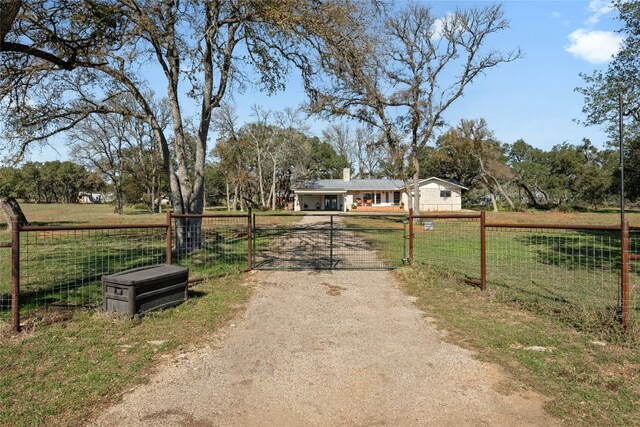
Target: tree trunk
{"points": [[235, 197], [260, 181], [273, 185], [416, 182], [228, 196], [407, 188], [11, 208], [504, 193], [544, 194], [530, 195], [493, 200]]}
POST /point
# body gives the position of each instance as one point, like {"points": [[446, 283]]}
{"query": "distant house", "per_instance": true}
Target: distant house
{"points": [[84, 197], [344, 194]]}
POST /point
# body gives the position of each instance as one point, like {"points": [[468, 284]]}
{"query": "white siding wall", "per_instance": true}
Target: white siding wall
{"points": [[430, 199], [348, 201], [311, 202]]}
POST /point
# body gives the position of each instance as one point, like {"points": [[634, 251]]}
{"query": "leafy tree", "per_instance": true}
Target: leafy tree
{"points": [[473, 142], [10, 179], [530, 171], [578, 175], [621, 78], [264, 157], [99, 143], [63, 60]]}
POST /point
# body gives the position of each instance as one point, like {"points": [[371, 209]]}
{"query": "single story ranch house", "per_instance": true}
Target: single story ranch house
{"points": [[346, 194]]}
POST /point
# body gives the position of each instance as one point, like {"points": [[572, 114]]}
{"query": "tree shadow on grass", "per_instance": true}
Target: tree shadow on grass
{"points": [[583, 249]]}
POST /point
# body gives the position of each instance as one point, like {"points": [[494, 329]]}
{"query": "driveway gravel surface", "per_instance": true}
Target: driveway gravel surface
{"points": [[327, 348]]}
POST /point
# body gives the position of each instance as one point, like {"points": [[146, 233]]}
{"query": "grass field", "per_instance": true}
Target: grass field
{"points": [[66, 267], [570, 275], [587, 381], [550, 289], [58, 372]]}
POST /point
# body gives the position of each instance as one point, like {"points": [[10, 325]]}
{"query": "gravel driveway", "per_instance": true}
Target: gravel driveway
{"points": [[328, 348]]}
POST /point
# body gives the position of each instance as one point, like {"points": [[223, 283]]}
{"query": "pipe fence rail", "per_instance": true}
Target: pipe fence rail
{"points": [[588, 275], [56, 267]]}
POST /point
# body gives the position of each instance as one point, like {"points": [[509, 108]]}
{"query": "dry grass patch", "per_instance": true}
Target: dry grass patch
{"points": [[333, 290], [589, 379]]}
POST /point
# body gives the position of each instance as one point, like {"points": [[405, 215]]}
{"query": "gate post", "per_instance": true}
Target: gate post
{"points": [[483, 251], [250, 239], [331, 244], [15, 273], [624, 288], [410, 236], [168, 239]]}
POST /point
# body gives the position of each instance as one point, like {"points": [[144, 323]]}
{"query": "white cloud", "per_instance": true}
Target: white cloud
{"points": [[599, 8], [593, 46], [439, 23]]}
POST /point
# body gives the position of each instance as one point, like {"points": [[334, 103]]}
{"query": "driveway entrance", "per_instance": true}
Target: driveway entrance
{"points": [[330, 242]]}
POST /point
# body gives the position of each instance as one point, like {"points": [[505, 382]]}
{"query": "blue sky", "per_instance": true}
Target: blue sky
{"points": [[532, 98]]}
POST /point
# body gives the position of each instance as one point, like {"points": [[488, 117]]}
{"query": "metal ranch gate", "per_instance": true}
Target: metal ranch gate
{"points": [[329, 241]]}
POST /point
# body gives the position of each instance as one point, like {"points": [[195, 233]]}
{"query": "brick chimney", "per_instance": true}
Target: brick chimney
{"points": [[346, 174]]}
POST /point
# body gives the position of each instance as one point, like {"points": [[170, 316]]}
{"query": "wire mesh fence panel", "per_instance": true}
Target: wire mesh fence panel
{"points": [[210, 245], [328, 242], [5, 283], [370, 241], [61, 267], [449, 244], [571, 274]]}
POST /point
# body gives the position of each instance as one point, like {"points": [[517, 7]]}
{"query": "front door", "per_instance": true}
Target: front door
{"points": [[331, 203]]}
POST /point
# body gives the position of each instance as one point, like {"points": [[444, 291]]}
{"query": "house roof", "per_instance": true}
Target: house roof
{"points": [[453, 182], [352, 185], [339, 185]]}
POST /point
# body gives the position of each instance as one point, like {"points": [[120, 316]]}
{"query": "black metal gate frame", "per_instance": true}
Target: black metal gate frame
{"points": [[331, 230]]}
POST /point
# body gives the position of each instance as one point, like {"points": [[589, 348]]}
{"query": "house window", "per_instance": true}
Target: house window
{"points": [[386, 197], [445, 193], [378, 198], [396, 197]]}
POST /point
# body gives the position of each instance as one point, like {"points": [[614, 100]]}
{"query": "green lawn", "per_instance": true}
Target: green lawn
{"points": [[66, 267], [58, 372], [570, 275]]}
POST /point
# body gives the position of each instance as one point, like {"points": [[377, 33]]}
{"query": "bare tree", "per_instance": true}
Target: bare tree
{"points": [[360, 147], [99, 143], [423, 64]]}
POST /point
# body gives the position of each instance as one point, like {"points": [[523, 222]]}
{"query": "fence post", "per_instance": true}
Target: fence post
{"points": [[253, 243], [410, 236], [15, 273], [624, 288], [483, 251], [169, 239], [250, 239], [331, 244]]}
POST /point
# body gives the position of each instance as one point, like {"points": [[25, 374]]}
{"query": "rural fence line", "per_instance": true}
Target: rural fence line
{"points": [[586, 274], [56, 267]]}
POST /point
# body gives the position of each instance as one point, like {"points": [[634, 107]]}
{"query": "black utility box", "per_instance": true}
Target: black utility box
{"points": [[144, 289]]}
